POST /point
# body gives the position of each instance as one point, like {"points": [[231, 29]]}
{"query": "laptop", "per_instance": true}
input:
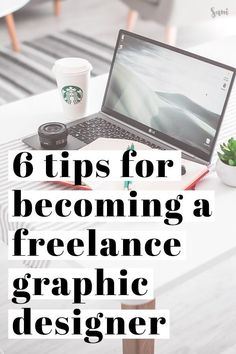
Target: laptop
{"points": [[158, 95]]}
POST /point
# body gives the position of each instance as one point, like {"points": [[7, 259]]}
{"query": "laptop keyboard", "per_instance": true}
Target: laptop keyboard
{"points": [[95, 128]]}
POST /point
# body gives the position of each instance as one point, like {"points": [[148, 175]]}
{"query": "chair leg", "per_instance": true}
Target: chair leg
{"points": [[170, 35], [57, 7], [139, 346], [131, 20], [12, 32]]}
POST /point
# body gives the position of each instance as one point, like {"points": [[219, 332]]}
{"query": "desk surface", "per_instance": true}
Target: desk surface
{"points": [[205, 242]]}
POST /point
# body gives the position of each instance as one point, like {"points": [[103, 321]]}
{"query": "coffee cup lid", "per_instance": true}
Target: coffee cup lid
{"points": [[71, 66]]}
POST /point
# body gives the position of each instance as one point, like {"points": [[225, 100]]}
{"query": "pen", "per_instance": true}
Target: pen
{"points": [[128, 183]]}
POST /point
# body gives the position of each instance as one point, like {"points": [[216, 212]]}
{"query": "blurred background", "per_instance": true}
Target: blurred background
{"points": [[34, 33]]}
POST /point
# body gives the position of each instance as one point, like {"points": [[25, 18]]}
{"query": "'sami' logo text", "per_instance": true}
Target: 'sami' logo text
{"points": [[219, 12]]}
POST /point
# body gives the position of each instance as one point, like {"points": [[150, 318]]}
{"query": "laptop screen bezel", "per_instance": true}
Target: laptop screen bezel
{"points": [[155, 134]]}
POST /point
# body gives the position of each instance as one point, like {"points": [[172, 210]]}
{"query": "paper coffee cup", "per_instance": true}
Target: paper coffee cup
{"points": [[73, 76]]}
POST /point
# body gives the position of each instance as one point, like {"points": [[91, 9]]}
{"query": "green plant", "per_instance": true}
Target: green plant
{"points": [[228, 153]]}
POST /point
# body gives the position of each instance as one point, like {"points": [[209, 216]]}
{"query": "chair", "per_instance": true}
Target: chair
{"points": [[6, 10], [176, 13], [57, 7]]}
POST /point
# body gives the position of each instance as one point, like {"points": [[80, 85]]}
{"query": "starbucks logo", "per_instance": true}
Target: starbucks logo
{"points": [[72, 94]]}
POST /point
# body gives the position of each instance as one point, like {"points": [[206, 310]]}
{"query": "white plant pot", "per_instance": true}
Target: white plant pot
{"points": [[226, 173]]}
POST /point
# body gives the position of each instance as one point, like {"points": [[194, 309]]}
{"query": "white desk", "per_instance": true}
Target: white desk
{"points": [[205, 242]]}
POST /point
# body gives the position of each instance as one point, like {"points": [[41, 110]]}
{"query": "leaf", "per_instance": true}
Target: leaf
{"points": [[232, 162], [226, 151], [221, 156], [233, 144], [222, 147]]}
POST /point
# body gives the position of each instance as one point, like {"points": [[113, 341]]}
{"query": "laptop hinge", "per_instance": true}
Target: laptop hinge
{"points": [[186, 155]]}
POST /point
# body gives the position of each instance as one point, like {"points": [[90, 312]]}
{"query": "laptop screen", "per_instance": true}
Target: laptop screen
{"points": [[168, 93]]}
